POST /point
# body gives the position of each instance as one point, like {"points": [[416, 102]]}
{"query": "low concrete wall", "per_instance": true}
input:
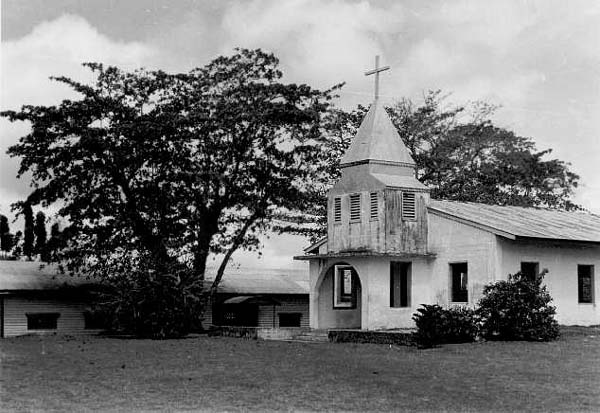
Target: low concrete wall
{"points": [[288, 333]]}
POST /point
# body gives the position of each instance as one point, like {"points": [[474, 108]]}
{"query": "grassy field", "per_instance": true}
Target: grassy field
{"points": [[216, 373]]}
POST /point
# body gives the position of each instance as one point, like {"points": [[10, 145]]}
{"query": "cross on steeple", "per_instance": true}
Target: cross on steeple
{"points": [[376, 73]]}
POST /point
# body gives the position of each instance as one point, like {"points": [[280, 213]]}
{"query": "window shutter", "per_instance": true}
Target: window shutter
{"points": [[337, 210], [374, 206], [355, 207], [409, 209]]}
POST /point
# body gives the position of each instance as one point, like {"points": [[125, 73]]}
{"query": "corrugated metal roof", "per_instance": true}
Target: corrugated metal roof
{"points": [[525, 222], [262, 281], [27, 275]]}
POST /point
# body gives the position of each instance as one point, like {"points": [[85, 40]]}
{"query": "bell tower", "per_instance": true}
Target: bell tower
{"points": [[377, 206]]}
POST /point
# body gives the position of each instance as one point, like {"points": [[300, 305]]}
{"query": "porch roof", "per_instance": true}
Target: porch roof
{"points": [[360, 254]]}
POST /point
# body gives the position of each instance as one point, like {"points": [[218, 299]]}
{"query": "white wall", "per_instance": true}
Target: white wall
{"points": [[71, 320], [561, 279], [453, 242]]}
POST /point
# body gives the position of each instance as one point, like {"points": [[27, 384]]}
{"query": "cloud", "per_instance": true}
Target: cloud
{"points": [[318, 42], [53, 48]]}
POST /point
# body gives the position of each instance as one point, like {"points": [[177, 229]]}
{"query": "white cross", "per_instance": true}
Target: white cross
{"points": [[376, 73]]}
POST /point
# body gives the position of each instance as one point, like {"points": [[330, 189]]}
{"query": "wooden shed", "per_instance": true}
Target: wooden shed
{"points": [[36, 300], [258, 297]]}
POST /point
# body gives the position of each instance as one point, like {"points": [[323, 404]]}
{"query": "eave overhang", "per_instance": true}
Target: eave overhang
{"points": [[363, 254]]}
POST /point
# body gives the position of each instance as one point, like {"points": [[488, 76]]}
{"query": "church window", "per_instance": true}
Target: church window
{"points": [[530, 269], [42, 321], [585, 283], [337, 209], [355, 207], [409, 210], [344, 287], [374, 206], [400, 284], [459, 282]]}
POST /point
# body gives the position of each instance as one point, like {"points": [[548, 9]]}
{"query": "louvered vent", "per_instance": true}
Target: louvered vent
{"points": [[337, 210], [409, 210], [374, 205], [355, 207]]}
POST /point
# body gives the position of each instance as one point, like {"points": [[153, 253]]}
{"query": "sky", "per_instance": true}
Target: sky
{"points": [[538, 60]]}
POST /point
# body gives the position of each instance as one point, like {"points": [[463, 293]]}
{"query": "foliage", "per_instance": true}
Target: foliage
{"points": [[151, 300], [173, 167], [518, 309], [6, 238], [39, 230], [437, 325], [28, 232]]}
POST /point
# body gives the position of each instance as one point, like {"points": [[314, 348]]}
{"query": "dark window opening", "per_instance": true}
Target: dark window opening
{"points": [[530, 269], [585, 283], [460, 282], [289, 319], [400, 284], [42, 321]]}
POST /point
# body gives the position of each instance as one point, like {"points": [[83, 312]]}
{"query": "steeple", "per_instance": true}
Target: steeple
{"points": [[377, 141], [377, 205]]}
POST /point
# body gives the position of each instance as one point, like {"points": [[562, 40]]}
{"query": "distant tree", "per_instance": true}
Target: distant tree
{"points": [[17, 242], [6, 242], [39, 230], [154, 172], [29, 235]]}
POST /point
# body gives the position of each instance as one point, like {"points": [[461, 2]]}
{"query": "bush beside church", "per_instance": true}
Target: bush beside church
{"points": [[516, 309]]}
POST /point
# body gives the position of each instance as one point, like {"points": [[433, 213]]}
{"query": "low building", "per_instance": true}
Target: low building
{"points": [[35, 300], [265, 298]]}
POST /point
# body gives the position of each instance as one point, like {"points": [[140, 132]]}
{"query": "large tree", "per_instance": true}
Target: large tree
{"points": [[154, 172]]}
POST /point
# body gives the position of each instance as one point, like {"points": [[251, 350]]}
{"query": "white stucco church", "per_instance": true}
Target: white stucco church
{"points": [[390, 248]]}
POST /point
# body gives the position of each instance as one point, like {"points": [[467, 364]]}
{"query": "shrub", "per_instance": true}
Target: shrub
{"points": [[436, 325], [153, 301], [517, 309]]}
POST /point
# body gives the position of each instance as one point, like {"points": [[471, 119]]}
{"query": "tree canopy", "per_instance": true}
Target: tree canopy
{"points": [[150, 167]]}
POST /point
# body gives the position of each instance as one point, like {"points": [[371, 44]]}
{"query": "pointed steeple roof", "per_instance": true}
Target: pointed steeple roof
{"points": [[377, 141]]}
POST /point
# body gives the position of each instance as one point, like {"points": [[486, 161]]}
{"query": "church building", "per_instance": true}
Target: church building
{"points": [[390, 248]]}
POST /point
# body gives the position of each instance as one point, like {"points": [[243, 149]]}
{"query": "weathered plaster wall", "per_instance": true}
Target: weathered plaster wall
{"points": [[561, 279], [453, 242]]}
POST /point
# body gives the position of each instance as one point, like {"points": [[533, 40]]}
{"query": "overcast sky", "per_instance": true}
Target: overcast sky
{"points": [[540, 60]]}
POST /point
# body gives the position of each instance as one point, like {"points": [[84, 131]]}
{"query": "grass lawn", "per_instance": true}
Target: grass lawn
{"points": [[215, 373]]}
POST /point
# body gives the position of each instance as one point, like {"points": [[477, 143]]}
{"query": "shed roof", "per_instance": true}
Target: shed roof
{"points": [[377, 140], [28, 276], [515, 222], [246, 280]]}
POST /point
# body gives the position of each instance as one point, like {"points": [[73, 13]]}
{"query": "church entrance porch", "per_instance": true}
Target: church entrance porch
{"points": [[338, 297]]}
